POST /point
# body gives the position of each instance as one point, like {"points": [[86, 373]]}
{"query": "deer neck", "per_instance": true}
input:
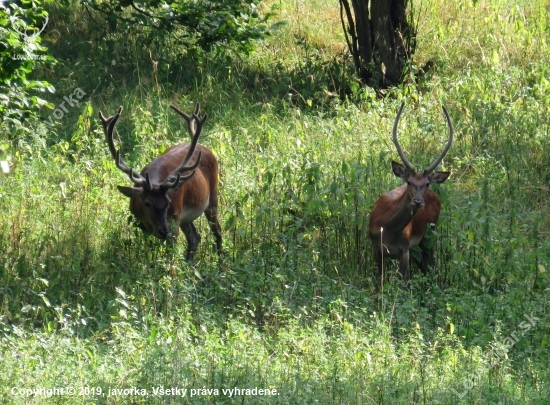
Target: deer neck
{"points": [[403, 213]]}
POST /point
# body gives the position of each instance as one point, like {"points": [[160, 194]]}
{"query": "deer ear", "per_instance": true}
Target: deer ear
{"points": [[130, 191], [399, 170], [438, 177]]}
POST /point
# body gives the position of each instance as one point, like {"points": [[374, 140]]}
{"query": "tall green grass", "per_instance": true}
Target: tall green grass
{"points": [[88, 300]]}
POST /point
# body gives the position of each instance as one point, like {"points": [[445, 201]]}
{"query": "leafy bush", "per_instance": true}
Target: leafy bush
{"points": [[202, 24], [20, 54]]}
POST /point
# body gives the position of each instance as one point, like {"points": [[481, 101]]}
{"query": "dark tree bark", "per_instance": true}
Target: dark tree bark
{"points": [[380, 39]]}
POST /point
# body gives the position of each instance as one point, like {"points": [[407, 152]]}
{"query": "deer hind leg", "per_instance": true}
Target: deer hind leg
{"points": [[193, 239], [212, 217], [426, 260]]}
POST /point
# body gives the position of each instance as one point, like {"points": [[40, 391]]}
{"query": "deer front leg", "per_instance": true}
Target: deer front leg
{"points": [[193, 239], [379, 263], [404, 264]]}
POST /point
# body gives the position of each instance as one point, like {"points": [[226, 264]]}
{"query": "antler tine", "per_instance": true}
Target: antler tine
{"points": [[432, 167], [199, 123], [176, 182], [170, 182], [405, 161], [183, 179], [108, 127], [188, 117], [175, 179], [180, 112]]}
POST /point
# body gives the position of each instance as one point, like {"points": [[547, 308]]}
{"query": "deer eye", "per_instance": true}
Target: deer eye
{"points": [[147, 204]]}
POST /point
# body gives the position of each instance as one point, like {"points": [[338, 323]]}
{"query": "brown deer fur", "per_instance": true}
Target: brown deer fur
{"points": [[162, 197], [400, 217]]}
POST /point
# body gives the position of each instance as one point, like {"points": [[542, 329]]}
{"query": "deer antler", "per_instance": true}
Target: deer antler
{"points": [[194, 126], [405, 161], [431, 167], [108, 127]]}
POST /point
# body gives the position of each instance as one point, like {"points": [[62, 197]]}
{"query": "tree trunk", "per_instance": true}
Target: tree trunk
{"points": [[380, 39]]}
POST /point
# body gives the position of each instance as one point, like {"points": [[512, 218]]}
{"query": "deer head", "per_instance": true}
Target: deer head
{"points": [[419, 182], [159, 179]]}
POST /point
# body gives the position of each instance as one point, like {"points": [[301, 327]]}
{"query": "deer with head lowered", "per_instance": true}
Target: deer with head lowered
{"points": [[401, 216], [163, 195]]}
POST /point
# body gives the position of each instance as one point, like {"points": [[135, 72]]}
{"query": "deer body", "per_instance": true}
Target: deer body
{"points": [[162, 197], [393, 211], [400, 217]]}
